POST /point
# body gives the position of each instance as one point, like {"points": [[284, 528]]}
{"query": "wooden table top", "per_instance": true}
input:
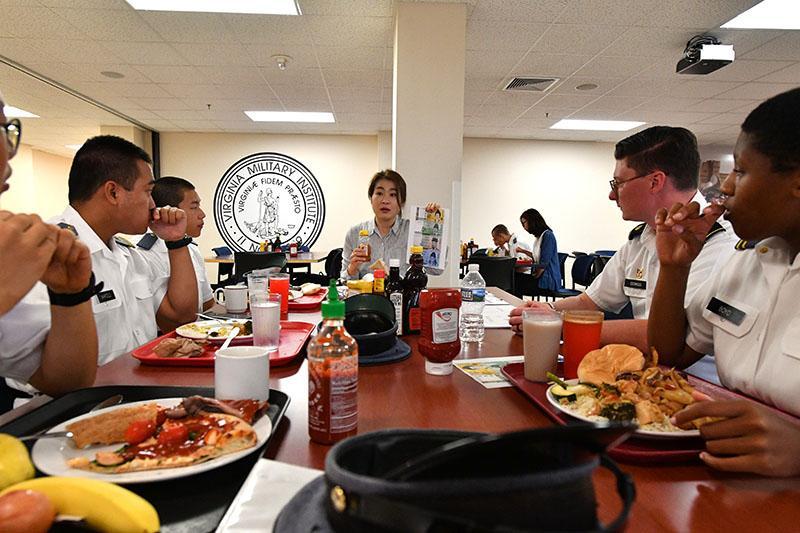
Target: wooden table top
{"points": [[688, 497], [303, 258]]}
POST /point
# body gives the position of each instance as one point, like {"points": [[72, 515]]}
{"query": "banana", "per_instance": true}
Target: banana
{"points": [[15, 464], [104, 506]]}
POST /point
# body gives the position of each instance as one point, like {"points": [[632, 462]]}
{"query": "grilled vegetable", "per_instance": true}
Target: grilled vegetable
{"points": [[619, 411]]}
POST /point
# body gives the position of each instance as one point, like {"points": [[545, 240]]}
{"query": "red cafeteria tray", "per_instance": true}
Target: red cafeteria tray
{"points": [[293, 338], [634, 450], [310, 302]]}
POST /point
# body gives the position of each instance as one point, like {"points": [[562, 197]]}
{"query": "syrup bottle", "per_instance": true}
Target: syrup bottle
{"points": [[416, 280]]}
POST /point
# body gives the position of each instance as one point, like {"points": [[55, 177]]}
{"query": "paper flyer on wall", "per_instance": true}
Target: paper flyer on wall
{"points": [[488, 371], [430, 230]]}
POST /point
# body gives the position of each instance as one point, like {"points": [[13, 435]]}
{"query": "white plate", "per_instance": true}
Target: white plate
{"points": [[643, 433], [51, 455], [189, 331]]}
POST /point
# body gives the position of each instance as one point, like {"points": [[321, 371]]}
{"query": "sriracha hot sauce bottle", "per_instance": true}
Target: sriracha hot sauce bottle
{"points": [[438, 341], [332, 376]]}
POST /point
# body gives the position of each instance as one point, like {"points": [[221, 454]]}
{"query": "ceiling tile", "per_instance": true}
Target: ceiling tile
{"points": [[760, 91], [179, 114], [189, 27], [606, 12], [110, 25], [350, 106], [502, 35], [651, 42], [228, 75], [610, 105], [292, 76], [32, 21], [703, 89], [788, 75], [359, 94], [68, 74], [145, 53], [173, 74], [256, 93], [706, 14], [89, 4], [214, 54], [568, 86], [613, 67], [344, 58], [646, 87], [573, 101], [196, 125], [267, 29], [746, 70], [160, 104], [353, 78], [491, 63], [192, 90], [349, 30], [305, 104], [476, 97], [299, 56], [727, 119], [229, 106], [785, 47], [581, 39], [559, 65], [665, 117], [365, 8], [716, 105], [673, 103], [309, 93], [744, 41], [518, 10]]}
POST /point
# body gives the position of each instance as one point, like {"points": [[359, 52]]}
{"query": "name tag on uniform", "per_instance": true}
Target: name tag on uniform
{"points": [[726, 311], [106, 296], [636, 284]]}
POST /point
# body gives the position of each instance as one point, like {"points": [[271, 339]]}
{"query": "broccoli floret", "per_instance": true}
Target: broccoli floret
{"points": [[619, 412]]}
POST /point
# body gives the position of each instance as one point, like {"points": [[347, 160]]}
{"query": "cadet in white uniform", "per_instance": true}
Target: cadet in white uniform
{"points": [[655, 168], [63, 357], [748, 315], [109, 192], [170, 190]]}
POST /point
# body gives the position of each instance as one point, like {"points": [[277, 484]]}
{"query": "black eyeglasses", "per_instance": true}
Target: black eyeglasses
{"points": [[13, 132], [617, 185]]}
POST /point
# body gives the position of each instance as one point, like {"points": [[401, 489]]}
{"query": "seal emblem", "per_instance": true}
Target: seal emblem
{"points": [[268, 195]]}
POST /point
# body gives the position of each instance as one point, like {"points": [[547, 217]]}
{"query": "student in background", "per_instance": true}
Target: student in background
{"points": [[546, 276], [169, 191], [506, 244], [45, 275], [747, 313]]}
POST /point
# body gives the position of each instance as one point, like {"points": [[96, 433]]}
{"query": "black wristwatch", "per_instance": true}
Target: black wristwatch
{"points": [[76, 298], [180, 243]]}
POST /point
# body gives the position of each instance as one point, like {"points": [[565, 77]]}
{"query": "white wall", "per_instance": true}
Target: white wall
{"points": [[566, 181], [38, 183], [343, 165]]}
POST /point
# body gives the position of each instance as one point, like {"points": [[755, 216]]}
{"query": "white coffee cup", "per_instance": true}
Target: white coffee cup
{"points": [[241, 373], [541, 338], [234, 298]]}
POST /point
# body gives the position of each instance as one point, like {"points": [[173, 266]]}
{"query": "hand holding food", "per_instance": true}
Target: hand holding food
{"points": [[681, 232], [168, 223], [744, 436]]}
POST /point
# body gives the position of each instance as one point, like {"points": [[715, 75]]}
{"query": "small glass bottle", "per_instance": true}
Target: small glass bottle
{"points": [[363, 243], [379, 281], [332, 376], [416, 280], [394, 291]]}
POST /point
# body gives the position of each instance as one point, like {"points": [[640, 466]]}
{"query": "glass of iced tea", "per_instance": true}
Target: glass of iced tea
{"points": [[581, 334]]}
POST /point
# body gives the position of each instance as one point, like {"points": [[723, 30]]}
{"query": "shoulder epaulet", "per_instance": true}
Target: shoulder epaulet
{"points": [[64, 225], [637, 231], [716, 228], [122, 241], [147, 241], [745, 245]]}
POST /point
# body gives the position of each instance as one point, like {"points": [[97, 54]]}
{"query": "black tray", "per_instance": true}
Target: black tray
{"points": [[191, 504]]}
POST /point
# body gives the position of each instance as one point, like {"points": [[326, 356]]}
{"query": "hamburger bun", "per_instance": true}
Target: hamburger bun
{"points": [[603, 365]]}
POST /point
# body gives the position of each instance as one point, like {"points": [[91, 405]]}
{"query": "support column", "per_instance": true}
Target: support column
{"points": [[428, 111]]}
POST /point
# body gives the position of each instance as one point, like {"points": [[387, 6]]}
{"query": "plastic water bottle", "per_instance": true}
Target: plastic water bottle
{"points": [[473, 293]]}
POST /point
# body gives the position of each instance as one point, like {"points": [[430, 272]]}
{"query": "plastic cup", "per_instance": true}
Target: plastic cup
{"points": [[541, 333], [265, 310], [279, 283], [581, 334]]}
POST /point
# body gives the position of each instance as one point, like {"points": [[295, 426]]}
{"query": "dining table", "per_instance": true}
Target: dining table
{"points": [[673, 497], [302, 260]]}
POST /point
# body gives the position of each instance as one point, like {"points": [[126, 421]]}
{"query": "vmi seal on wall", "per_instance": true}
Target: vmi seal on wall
{"points": [[268, 195]]}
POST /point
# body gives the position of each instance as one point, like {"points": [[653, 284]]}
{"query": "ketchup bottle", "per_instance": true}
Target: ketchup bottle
{"points": [[332, 376], [439, 342]]}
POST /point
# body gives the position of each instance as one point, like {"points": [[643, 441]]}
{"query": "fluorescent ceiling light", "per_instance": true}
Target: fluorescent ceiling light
{"points": [[769, 14], [289, 116], [73, 147], [596, 125], [260, 7], [14, 112]]}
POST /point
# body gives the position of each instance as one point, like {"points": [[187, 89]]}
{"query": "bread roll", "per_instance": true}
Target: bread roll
{"points": [[603, 365]]}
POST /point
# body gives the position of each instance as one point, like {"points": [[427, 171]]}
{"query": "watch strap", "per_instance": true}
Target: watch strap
{"points": [[77, 298], [180, 243]]}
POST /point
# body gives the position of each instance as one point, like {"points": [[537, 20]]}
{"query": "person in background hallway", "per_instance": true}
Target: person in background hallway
{"points": [[747, 314], [167, 191], [655, 168], [45, 274]]}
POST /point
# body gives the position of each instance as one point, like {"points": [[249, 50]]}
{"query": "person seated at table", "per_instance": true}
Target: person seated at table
{"points": [[506, 244], [110, 182], [747, 313], [171, 190], [38, 259], [388, 230], [655, 168], [546, 276]]}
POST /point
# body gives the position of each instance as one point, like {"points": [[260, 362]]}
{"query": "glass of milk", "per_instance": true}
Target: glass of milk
{"points": [[266, 310], [541, 335]]}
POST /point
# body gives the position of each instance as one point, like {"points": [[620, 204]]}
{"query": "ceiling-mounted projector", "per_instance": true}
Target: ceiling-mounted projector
{"points": [[704, 54]]}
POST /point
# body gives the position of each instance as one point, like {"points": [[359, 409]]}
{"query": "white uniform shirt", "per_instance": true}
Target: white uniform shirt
{"points": [[632, 272], [757, 344], [159, 256], [23, 331], [125, 309]]}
